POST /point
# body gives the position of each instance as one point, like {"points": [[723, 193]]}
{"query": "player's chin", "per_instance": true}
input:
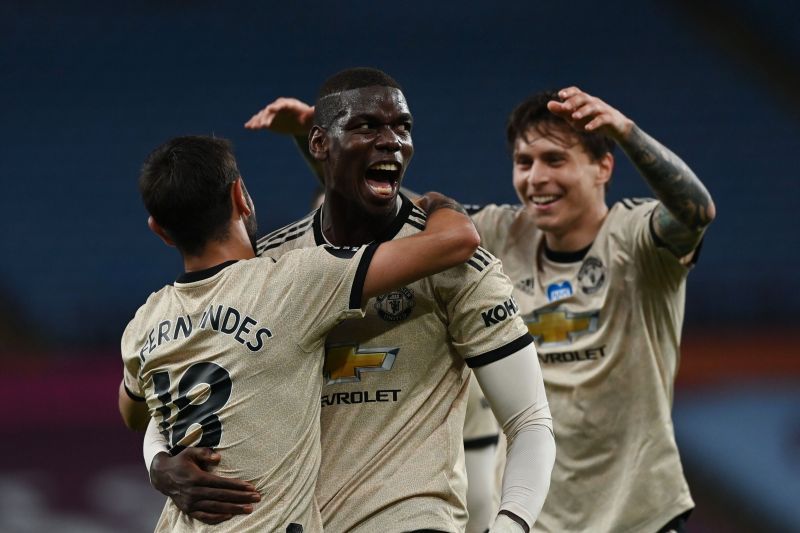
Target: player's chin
{"points": [[379, 204], [543, 221]]}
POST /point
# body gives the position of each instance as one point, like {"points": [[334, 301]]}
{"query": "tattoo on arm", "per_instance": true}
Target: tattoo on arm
{"points": [[686, 207]]}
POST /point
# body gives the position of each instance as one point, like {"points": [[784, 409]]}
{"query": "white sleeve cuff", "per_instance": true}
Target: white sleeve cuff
{"points": [[154, 443]]}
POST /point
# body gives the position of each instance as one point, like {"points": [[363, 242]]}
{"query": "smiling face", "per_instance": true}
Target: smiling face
{"points": [[559, 184], [366, 148]]}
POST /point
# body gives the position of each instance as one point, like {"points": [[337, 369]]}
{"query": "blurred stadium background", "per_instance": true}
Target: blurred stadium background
{"points": [[89, 88]]}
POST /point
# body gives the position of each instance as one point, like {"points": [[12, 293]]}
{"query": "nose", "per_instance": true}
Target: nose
{"points": [[388, 140], [538, 174]]}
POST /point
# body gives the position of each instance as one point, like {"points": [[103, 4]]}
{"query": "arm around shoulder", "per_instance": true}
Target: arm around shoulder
{"points": [[449, 239]]}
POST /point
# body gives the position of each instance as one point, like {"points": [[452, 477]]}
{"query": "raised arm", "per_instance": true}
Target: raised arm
{"points": [[289, 116], [449, 239], [686, 207]]}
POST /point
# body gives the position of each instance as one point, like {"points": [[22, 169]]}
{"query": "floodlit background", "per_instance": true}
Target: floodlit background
{"points": [[89, 88]]}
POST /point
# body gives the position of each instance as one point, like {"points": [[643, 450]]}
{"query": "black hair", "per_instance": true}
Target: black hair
{"points": [[185, 185], [327, 105], [532, 113]]}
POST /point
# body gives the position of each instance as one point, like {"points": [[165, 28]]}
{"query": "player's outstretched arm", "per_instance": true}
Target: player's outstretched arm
{"points": [[686, 207], [289, 116], [134, 414], [185, 479], [449, 239], [515, 391]]}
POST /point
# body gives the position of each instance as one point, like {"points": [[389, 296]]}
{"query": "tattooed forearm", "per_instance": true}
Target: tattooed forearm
{"points": [[686, 207]]}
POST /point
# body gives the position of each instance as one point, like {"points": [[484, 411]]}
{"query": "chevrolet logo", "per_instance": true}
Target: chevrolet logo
{"points": [[560, 327], [344, 363]]}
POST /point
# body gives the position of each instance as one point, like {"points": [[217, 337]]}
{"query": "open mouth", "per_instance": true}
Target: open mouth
{"points": [[382, 178], [544, 200]]}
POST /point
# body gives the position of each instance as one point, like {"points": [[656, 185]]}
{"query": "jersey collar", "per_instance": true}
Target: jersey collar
{"points": [[565, 257], [198, 275]]}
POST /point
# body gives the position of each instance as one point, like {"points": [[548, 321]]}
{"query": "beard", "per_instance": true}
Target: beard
{"points": [[250, 223]]}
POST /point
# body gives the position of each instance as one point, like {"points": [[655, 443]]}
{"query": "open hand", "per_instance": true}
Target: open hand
{"points": [[289, 116], [585, 112], [198, 493]]}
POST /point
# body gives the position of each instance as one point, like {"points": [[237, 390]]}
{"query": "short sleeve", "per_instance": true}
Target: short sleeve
{"points": [[131, 363], [483, 318], [653, 260], [329, 282]]}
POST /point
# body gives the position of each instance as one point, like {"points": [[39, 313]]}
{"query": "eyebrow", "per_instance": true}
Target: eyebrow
{"points": [[374, 117]]}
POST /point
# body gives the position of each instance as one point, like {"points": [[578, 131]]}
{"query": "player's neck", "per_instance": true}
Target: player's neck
{"points": [[581, 234], [345, 224], [218, 252]]}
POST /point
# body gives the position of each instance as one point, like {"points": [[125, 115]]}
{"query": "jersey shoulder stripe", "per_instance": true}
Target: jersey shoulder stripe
{"points": [[269, 246], [419, 225], [289, 227], [473, 209], [484, 255], [480, 259], [631, 203], [417, 218], [286, 233], [419, 213], [342, 252]]}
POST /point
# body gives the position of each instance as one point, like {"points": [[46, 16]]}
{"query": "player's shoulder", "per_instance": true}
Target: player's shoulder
{"points": [[145, 311], [482, 265], [156, 298], [494, 218], [624, 214], [288, 237], [629, 224], [317, 252], [628, 207], [416, 220], [507, 210]]}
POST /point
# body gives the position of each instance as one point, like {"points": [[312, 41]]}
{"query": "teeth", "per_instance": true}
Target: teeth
{"points": [[385, 166], [544, 199], [381, 188]]}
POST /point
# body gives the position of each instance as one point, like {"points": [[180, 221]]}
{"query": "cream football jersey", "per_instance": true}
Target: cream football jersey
{"points": [[231, 357], [395, 388], [607, 324]]}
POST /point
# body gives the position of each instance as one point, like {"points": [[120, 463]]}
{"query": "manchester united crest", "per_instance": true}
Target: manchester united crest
{"points": [[396, 305], [592, 275]]}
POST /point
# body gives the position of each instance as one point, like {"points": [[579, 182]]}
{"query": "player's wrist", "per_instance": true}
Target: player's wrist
{"points": [[433, 202], [156, 467], [508, 522]]}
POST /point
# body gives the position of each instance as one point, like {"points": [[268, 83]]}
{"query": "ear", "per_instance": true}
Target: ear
{"points": [[158, 230], [318, 143], [241, 207], [606, 165]]}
